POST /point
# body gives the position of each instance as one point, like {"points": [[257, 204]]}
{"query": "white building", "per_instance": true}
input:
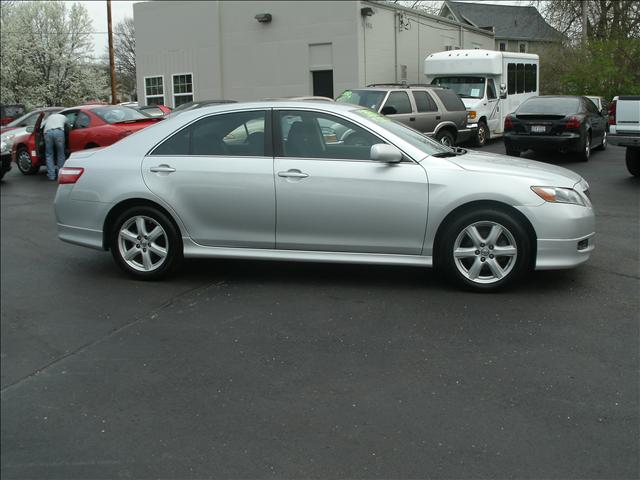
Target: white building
{"points": [[250, 50]]}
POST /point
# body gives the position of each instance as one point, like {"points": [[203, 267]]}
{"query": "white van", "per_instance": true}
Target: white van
{"points": [[491, 84]]}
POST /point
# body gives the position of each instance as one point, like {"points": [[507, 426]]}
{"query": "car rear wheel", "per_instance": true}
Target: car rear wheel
{"points": [[586, 149], [145, 243], [445, 137], [482, 135], [484, 250], [25, 162], [632, 158], [603, 145]]}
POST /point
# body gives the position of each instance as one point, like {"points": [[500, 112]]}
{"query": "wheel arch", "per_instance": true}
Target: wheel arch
{"points": [[122, 206], [491, 204]]}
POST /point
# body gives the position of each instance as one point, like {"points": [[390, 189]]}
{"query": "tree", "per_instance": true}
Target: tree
{"points": [[46, 54], [124, 49], [601, 59]]}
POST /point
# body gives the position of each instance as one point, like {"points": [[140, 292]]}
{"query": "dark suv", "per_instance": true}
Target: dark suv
{"points": [[433, 110]]}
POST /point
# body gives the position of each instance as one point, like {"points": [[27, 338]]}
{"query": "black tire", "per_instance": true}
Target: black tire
{"points": [[446, 138], [585, 153], [25, 162], [513, 152], [482, 134], [603, 145], [169, 240], [632, 158], [481, 254]]}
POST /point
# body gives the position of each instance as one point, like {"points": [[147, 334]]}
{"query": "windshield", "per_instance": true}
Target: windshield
{"points": [[409, 135], [28, 120], [365, 98], [465, 87], [118, 114]]}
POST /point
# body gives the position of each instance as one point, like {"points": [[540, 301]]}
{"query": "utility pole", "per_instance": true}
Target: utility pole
{"points": [[112, 63], [584, 23]]}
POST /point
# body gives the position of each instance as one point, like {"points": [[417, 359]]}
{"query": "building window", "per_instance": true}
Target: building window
{"points": [[522, 47], [182, 89], [154, 90], [503, 46]]}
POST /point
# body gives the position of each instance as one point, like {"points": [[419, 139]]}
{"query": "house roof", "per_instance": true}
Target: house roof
{"points": [[508, 21]]}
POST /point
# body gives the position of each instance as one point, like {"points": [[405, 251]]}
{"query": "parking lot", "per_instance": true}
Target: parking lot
{"points": [[247, 369]]}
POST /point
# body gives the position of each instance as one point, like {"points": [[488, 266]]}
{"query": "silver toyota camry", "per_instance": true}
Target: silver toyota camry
{"points": [[324, 182]]}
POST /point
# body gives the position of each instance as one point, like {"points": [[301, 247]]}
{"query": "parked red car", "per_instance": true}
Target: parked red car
{"points": [[9, 113], [90, 126]]}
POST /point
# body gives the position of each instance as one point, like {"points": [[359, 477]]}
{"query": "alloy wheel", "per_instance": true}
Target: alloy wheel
{"points": [[143, 243], [24, 161], [485, 252]]}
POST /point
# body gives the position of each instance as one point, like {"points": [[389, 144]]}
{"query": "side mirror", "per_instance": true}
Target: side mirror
{"points": [[30, 129], [604, 112], [503, 91], [388, 110], [382, 152]]}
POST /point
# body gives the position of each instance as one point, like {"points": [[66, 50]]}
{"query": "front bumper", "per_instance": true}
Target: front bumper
{"points": [[565, 234], [624, 140], [566, 142], [466, 134], [5, 160]]}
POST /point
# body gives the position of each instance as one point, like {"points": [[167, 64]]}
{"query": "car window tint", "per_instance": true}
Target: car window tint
{"points": [[319, 135], [177, 144], [550, 106], [450, 100], [591, 107], [71, 117], [399, 101], [424, 102], [232, 134], [82, 120]]}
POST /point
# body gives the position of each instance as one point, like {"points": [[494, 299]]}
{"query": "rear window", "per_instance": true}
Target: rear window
{"points": [[549, 106], [118, 114], [450, 100], [365, 98]]}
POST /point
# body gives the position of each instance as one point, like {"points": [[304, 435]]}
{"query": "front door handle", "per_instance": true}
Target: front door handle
{"points": [[162, 169], [293, 174]]}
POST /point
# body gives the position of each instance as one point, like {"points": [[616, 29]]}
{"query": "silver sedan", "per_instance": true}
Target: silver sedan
{"points": [[315, 181]]}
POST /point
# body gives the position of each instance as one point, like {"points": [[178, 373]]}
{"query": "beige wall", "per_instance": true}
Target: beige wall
{"points": [[231, 55]]}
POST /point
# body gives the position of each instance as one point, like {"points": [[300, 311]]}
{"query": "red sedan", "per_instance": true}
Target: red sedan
{"points": [[90, 126]]}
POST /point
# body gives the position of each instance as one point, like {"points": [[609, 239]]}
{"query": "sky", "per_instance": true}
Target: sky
{"points": [[120, 9]]}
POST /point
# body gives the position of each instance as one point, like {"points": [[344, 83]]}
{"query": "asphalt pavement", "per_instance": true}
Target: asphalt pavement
{"points": [[247, 369]]}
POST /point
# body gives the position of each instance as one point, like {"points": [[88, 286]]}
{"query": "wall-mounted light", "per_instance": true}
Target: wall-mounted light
{"points": [[366, 11], [263, 17]]}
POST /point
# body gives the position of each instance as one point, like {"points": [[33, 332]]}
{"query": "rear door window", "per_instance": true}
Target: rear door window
{"points": [[424, 102], [550, 106], [400, 102], [450, 100]]}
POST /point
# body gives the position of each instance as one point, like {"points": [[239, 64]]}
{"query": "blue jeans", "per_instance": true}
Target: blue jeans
{"points": [[54, 139]]}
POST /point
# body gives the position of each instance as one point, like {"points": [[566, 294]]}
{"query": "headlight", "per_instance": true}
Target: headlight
{"points": [[559, 195], [5, 145]]}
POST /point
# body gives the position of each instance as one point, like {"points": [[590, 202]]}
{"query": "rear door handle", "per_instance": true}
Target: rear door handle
{"points": [[162, 169], [293, 174]]}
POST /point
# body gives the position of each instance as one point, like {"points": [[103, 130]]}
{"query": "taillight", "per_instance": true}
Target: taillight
{"points": [[573, 124], [69, 175], [508, 124], [612, 112]]}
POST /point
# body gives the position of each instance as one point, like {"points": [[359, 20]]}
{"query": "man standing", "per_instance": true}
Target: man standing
{"points": [[54, 139]]}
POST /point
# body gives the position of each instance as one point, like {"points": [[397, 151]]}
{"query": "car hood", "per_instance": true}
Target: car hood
{"points": [[12, 131], [512, 166]]}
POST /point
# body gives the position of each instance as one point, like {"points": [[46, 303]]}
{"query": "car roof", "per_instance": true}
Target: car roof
{"points": [[277, 104], [399, 86]]}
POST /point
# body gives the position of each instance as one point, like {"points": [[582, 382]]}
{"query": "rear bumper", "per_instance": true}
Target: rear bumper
{"points": [[624, 140], [567, 142]]}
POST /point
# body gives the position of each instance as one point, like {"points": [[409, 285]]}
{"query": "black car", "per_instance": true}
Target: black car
{"points": [[559, 123]]}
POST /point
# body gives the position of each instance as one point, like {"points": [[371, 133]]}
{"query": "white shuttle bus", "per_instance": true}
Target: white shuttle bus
{"points": [[491, 84]]}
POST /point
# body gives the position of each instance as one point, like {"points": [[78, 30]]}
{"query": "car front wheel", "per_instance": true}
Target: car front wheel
{"points": [[482, 135], [484, 250], [145, 243]]}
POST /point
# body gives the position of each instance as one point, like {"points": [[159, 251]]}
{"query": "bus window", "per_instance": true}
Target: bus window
{"points": [[520, 78], [511, 78]]}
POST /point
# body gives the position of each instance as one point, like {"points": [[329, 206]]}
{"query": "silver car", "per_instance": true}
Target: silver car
{"points": [[273, 181]]}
